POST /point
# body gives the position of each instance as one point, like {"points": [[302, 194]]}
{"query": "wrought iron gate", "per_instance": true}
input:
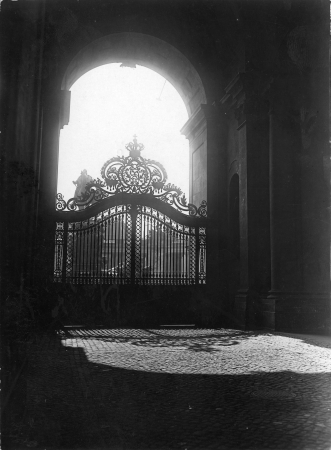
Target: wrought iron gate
{"points": [[130, 228]]}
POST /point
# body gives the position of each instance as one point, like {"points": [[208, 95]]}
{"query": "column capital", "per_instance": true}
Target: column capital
{"points": [[246, 94], [206, 114]]}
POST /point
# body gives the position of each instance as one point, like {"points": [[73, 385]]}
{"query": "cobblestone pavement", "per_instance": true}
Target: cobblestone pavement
{"points": [[178, 389]]}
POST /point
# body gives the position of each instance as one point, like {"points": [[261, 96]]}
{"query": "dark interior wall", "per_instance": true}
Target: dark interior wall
{"points": [[280, 51], [22, 124]]}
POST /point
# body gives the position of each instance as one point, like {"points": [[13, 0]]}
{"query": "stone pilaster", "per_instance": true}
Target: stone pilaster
{"points": [[300, 186], [245, 96], [206, 131]]}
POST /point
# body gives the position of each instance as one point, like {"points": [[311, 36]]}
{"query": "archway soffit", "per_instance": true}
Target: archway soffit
{"points": [[145, 50]]}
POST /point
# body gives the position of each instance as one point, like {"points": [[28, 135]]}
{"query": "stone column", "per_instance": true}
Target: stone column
{"points": [[285, 202], [206, 132], [300, 182], [48, 182], [245, 95]]}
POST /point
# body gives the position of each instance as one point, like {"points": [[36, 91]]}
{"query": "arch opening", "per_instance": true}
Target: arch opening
{"points": [[144, 50], [110, 104]]}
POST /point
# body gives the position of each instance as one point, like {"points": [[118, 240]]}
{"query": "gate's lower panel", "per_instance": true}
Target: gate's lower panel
{"points": [[126, 244]]}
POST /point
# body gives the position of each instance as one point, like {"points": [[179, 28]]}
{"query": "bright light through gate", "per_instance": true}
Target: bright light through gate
{"points": [[109, 105]]}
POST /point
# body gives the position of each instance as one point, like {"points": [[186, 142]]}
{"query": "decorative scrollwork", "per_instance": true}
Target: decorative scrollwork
{"points": [[132, 175], [61, 204]]}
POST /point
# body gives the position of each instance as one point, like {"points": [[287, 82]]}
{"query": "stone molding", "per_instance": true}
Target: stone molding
{"points": [[206, 114], [138, 48], [246, 95]]}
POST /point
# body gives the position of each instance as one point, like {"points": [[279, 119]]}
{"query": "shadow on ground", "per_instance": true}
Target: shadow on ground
{"points": [[63, 401]]}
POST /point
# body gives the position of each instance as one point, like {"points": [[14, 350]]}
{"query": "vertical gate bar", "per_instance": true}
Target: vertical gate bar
{"points": [[172, 254], [81, 267], [111, 239], [173, 234], [117, 269], [197, 248], [77, 252], [88, 252], [74, 250], [83, 256], [141, 275], [133, 213], [115, 263], [160, 251], [128, 227], [65, 244], [164, 252], [91, 240], [121, 233], [99, 251], [143, 263], [187, 259], [151, 249], [183, 246], [161, 257], [103, 247], [98, 254], [102, 271], [157, 251], [149, 243], [182, 259], [108, 237], [89, 247], [95, 241], [90, 243], [167, 254], [78, 240], [148, 248], [124, 245], [118, 247], [80, 252]]}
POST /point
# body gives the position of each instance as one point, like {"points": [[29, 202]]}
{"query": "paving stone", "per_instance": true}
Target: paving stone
{"points": [[168, 389]]}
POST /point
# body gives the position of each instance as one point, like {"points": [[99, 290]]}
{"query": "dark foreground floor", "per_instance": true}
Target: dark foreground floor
{"points": [[171, 389]]}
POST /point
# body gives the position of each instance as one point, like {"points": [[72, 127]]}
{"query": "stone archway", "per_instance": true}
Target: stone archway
{"points": [[149, 51], [160, 56]]}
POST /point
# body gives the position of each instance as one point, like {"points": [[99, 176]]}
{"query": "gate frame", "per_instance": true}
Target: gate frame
{"points": [[134, 200]]}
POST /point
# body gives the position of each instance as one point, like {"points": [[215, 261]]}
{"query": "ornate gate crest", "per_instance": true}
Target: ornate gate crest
{"points": [[132, 175], [129, 228]]}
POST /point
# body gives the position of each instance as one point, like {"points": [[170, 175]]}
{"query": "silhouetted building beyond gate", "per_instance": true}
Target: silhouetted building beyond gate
{"points": [[130, 229]]}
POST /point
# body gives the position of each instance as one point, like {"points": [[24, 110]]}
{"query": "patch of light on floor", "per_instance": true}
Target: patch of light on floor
{"points": [[207, 352]]}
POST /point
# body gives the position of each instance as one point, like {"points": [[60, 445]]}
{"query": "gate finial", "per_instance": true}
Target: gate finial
{"points": [[134, 148]]}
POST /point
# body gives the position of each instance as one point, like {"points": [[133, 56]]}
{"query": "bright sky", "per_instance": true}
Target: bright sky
{"points": [[109, 105]]}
